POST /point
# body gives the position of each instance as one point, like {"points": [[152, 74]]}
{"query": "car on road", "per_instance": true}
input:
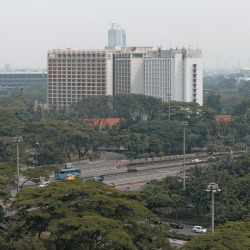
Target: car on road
{"points": [[176, 225], [44, 184], [98, 177], [68, 166], [152, 181], [131, 170], [199, 229], [196, 160]]}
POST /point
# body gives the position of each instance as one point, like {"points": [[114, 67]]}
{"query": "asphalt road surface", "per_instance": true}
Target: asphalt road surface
{"points": [[113, 167], [188, 230], [109, 159]]}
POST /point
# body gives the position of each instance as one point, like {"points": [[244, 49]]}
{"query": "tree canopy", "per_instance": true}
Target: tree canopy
{"points": [[85, 215], [232, 235], [232, 203]]}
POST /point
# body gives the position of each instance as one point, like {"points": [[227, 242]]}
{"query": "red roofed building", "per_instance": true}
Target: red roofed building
{"points": [[223, 117], [103, 122]]}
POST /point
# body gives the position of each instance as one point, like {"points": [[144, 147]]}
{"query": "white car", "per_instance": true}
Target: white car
{"points": [[196, 160], [199, 229], [44, 184], [98, 177], [68, 166]]}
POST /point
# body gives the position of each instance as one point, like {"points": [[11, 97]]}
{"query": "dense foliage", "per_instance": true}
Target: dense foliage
{"points": [[8, 176], [222, 93], [109, 218], [168, 199], [83, 215], [55, 135], [231, 236], [35, 93]]}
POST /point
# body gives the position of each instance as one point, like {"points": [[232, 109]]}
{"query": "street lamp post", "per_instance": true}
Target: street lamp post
{"points": [[17, 139], [184, 124], [213, 188]]}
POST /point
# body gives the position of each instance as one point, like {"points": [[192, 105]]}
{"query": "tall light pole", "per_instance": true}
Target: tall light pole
{"points": [[169, 103], [17, 139], [184, 124], [213, 188]]}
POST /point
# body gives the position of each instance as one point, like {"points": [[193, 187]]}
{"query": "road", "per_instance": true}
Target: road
{"points": [[109, 159], [113, 167], [115, 171], [187, 230]]}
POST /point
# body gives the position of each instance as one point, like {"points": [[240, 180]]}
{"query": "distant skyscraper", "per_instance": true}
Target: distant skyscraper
{"points": [[116, 36], [7, 67]]}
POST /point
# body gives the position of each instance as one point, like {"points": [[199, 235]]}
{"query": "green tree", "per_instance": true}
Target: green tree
{"points": [[245, 88], [226, 86], [34, 174], [7, 178], [135, 143], [83, 215], [93, 107], [165, 194], [228, 101], [166, 134], [214, 102], [6, 101], [241, 108], [232, 235], [155, 144], [136, 107]]}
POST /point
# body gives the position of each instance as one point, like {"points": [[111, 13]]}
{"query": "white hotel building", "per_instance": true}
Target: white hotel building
{"points": [[129, 69], [74, 74], [175, 74], [166, 74]]}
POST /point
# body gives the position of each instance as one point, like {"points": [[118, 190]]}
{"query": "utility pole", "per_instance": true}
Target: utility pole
{"points": [[213, 188], [17, 139], [169, 103], [184, 124]]}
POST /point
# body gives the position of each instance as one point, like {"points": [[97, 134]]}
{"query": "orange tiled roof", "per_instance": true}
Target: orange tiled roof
{"points": [[223, 117], [101, 123]]}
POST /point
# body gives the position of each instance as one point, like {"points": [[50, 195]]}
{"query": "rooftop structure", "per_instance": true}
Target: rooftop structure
{"points": [[223, 117]]}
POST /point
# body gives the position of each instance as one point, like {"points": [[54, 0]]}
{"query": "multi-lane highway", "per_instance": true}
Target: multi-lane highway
{"points": [[114, 168], [115, 171]]}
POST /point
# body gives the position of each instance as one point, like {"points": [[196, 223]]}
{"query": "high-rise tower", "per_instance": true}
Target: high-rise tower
{"points": [[116, 36], [74, 74], [177, 73]]}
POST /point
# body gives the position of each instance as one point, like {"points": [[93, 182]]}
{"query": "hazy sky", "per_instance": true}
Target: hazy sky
{"points": [[221, 28]]}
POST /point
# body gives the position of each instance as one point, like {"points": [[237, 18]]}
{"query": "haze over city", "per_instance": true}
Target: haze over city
{"points": [[31, 28]]}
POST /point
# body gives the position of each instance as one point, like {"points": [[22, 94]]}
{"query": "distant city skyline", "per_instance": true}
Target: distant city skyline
{"points": [[219, 28]]}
